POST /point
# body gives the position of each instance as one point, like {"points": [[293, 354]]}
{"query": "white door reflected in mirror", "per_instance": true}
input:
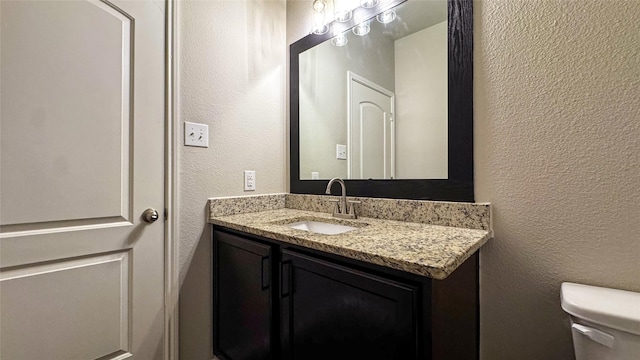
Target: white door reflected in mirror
{"points": [[370, 130]]}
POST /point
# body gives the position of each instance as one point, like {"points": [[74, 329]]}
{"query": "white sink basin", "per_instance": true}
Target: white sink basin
{"points": [[321, 227]]}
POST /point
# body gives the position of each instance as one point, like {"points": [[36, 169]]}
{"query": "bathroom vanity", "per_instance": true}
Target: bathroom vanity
{"points": [[403, 282], [386, 289]]}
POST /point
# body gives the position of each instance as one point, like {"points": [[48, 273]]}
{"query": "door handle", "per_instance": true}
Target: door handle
{"points": [[150, 215], [266, 274], [285, 279]]}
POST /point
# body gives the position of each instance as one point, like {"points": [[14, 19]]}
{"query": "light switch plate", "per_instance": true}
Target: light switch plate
{"points": [[196, 134], [249, 180], [341, 152]]}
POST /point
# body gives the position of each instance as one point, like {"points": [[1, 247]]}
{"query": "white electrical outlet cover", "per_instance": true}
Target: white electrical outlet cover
{"points": [[249, 180], [196, 134]]}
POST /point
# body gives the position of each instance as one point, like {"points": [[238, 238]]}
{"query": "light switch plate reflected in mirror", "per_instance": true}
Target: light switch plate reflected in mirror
{"points": [[341, 152]]}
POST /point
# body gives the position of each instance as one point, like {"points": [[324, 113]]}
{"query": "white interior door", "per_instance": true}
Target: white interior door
{"points": [[81, 158], [371, 138]]}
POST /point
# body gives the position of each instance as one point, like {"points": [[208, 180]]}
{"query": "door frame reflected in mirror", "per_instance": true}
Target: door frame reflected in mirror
{"points": [[459, 185]]}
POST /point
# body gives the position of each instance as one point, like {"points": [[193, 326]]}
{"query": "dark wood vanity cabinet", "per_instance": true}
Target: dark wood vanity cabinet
{"points": [[243, 295], [328, 309], [278, 301]]}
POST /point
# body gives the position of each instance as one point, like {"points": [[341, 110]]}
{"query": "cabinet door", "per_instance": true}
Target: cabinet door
{"points": [[242, 298], [330, 311]]}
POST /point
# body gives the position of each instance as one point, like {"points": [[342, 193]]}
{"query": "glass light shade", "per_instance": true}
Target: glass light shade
{"points": [[320, 30], [361, 29], [386, 17], [319, 26], [319, 5], [368, 3], [342, 10], [340, 40], [343, 15]]}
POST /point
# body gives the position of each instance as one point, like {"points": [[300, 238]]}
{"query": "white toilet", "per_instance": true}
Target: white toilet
{"points": [[605, 322]]}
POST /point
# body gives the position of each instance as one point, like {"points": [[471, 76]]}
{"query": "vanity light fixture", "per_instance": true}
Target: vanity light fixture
{"points": [[340, 39], [319, 25], [386, 17], [361, 29], [368, 3]]}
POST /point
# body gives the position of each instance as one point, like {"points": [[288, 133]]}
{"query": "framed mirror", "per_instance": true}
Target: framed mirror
{"points": [[385, 101]]}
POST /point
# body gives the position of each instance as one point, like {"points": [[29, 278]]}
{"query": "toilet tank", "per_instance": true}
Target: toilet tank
{"points": [[605, 323]]}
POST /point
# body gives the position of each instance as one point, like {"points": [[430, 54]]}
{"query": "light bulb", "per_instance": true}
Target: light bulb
{"points": [[361, 29]]}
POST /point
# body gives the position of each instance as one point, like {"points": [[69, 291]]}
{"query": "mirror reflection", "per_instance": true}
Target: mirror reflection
{"points": [[373, 100]]}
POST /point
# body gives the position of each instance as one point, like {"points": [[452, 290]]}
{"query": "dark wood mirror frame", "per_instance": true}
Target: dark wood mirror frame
{"points": [[459, 185]]}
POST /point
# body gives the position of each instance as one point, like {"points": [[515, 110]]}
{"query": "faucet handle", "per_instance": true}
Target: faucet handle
{"points": [[336, 207], [352, 208]]}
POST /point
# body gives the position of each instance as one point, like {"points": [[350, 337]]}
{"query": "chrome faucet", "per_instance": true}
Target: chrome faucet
{"points": [[340, 210]]}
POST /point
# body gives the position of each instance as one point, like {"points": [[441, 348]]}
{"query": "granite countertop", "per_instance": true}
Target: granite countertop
{"points": [[433, 251]]}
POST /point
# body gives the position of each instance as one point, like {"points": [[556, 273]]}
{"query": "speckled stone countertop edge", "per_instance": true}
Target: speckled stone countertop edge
{"points": [[452, 245]]}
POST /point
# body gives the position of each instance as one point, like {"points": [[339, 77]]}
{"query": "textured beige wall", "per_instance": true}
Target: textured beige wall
{"points": [[298, 20], [298, 26], [232, 68], [557, 152]]}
